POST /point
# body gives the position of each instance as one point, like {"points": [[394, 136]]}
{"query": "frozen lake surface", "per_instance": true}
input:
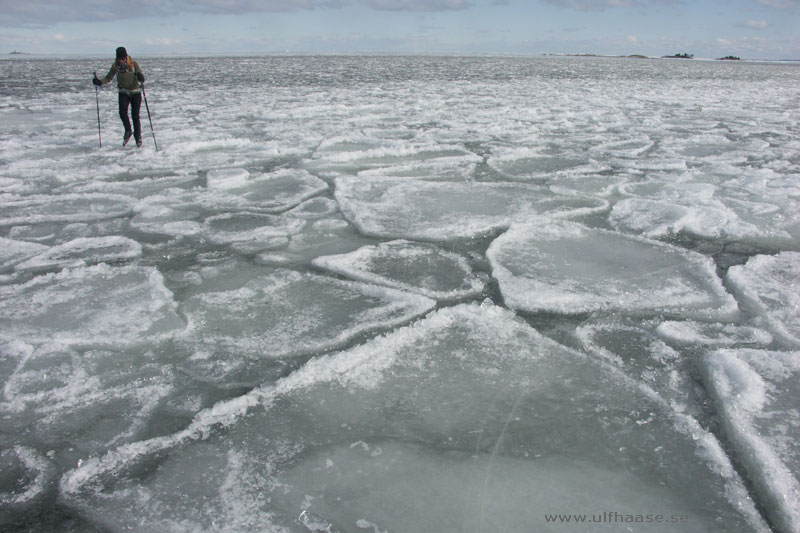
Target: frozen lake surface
{"points": [[387, 294]]}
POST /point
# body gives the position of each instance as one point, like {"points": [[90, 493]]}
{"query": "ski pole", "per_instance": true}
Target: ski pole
{"points": [[97, 98], [144, 94]]}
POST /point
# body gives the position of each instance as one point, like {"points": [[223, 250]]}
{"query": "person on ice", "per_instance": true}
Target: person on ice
{"points": [[129, 76]]}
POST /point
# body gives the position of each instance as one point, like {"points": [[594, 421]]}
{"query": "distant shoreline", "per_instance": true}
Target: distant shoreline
{"points": [[17, 54]]}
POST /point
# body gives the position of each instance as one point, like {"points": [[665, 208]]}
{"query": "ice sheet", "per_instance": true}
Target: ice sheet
{"points": [[551, 266], [243, 226], [424, 269], [83, 251], [444, 211], [244, 324], [441, 426], [93, 399], [13, 252], [97, 305], [273, 192], [64, 208]]}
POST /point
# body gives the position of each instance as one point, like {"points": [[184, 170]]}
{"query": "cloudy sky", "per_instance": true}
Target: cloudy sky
{"points": [[753, 29]]}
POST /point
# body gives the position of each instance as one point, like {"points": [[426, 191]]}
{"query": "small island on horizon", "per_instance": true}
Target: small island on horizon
{"points": [[684, 55]]}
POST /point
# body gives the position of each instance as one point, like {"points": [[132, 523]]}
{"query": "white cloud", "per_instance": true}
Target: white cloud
{"points": [[780, 4], [249, 6], [633, 39], [593, 5], [42, 13], [162, 41], [756, 24], [45, 12], [723, 42], [417, 5]]}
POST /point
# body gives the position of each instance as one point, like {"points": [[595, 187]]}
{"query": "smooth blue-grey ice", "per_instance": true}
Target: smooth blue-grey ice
{"points": [[388, 294]]}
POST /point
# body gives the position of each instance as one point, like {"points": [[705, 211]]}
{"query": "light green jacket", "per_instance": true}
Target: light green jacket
{"points": [[126, 78]]}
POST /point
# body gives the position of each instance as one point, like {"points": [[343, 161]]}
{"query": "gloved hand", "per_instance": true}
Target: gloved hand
{"points": [[140, 77], [96, 81]]}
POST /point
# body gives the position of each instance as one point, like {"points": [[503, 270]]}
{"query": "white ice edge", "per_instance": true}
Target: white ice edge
{"points": [[738, 390]]}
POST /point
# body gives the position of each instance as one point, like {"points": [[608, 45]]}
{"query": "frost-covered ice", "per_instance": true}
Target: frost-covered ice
{"points": [[401, 294]]}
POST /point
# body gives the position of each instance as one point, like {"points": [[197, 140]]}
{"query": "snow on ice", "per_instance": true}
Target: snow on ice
{"points": [[401, 294]]}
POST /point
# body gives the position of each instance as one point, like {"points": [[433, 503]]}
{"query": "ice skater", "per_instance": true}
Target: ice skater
{"points": [[129, 76]]}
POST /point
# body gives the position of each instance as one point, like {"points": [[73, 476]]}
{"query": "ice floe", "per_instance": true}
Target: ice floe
{"points": [[272, 192], [83, 251], [443, 211], [64, 208], [425, 269], [13, 252], [712, 334], [96, 305], [243, 322], [562, 267], [95, 399], [242, 227]]}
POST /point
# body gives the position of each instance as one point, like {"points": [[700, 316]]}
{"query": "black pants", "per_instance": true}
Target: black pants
{"points": [[135, 101]]}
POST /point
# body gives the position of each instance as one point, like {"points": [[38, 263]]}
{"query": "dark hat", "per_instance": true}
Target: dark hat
{"points": [[122, 53]]}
